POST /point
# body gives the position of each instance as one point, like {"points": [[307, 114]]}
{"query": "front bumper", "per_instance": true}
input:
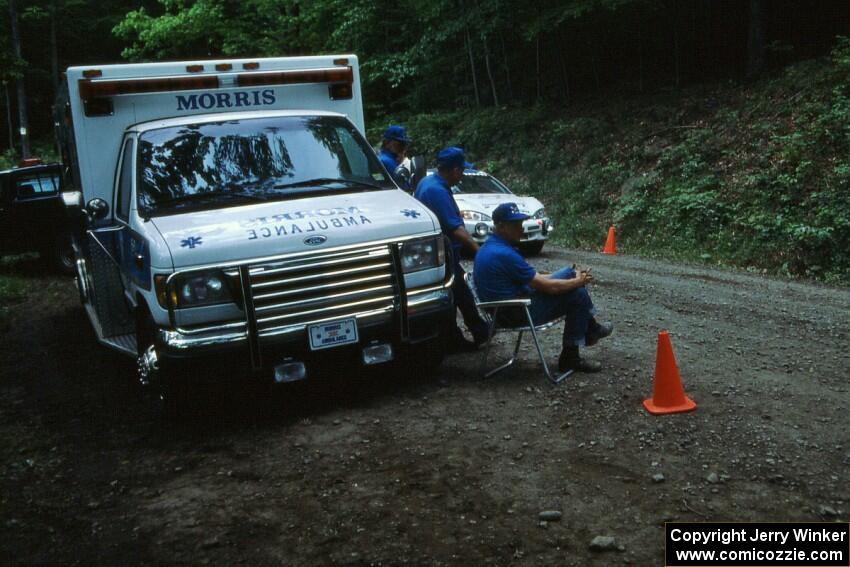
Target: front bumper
{"points": [[424, 310], [533, 230]]}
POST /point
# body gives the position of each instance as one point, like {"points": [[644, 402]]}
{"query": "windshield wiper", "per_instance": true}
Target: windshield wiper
{"points": [[318, 181]]}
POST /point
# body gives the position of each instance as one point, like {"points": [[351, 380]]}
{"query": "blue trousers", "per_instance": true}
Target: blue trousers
{"points": [[465, 302], [575, 305]]}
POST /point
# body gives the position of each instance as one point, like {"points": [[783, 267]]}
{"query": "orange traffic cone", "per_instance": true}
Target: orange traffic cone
{"points": [[668, 396], [610, 244]]}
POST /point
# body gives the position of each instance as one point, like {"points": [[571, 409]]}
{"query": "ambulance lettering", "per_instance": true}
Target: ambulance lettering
{"points": [[266, 227], [208, 101]]}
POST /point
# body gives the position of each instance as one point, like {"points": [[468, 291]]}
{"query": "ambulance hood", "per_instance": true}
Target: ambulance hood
{"points": [[232, 234]]}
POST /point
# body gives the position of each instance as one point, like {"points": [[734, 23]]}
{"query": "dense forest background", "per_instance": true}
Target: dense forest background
{"points": [[716, 130]]}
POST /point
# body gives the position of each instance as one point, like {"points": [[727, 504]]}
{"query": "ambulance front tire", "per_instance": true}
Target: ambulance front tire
{"points": [[170, 387]]}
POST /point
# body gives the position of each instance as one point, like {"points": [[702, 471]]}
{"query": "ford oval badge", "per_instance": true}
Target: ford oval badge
{"points": [[315, 240]]}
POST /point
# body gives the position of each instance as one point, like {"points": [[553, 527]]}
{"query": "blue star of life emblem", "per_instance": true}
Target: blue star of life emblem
{"points": [[410, 213], [191, 242]]}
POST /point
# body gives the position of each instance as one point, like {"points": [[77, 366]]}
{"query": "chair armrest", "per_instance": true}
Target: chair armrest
{"points": [[522, 302]]}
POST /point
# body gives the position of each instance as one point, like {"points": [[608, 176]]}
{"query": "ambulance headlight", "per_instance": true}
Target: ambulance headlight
{"points": [[205, 288], [422, 254], [541, 213]]}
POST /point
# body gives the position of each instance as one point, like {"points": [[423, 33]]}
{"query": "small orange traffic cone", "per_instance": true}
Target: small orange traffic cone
{"points": [[610, 244], [668, 396]]}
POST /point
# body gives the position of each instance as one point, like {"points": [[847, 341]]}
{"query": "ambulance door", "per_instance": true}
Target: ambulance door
{"points": [[109, 247]]}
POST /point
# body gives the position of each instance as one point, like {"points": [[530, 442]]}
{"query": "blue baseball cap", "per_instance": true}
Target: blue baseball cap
{"points": [[397, 133], [452, 157], [507, 212]]}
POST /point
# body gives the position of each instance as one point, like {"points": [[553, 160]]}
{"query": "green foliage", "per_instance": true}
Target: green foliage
{"points": [[11, 289], [762, 180]]}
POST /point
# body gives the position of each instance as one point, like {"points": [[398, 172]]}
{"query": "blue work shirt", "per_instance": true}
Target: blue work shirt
{"points": [[501, 272], [434, 192], [390, 161]]}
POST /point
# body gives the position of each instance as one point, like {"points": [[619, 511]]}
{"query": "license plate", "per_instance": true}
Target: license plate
{"points": [[327, 335]]}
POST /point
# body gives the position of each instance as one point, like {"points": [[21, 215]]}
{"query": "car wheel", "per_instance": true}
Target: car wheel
{"points": [[65, 258], [532, 248], [59, 255]]}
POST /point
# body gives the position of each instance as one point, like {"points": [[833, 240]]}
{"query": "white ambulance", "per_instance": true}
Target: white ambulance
{"points": [[231, 212]]}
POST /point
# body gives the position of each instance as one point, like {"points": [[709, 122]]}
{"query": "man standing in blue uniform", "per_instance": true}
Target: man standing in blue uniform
{"points": [[435, 193], [502, 273], [393, 149]]}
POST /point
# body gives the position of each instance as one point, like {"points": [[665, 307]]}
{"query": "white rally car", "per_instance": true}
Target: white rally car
{"points": [[479, 193]]}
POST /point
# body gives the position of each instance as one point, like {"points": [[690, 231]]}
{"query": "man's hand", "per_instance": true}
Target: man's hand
{"points": [[466, 240], [552, 286], [583, 278]]}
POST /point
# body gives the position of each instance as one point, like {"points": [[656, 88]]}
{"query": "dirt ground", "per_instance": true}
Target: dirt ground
{"points": [[388, 469]]}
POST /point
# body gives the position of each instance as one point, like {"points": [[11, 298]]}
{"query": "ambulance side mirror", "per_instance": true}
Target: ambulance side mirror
{"points": [[97, 208], [403, 173], [418, 170]]}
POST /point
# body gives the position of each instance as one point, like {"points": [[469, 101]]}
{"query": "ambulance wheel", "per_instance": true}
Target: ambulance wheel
{"points": [[167, 382], [532, 248], [174, 394]]}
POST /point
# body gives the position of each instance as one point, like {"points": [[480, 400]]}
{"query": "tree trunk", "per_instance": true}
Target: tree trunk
{"points": [[537, 73], [472, 69], [21, 88], [640, 57], [594, 67], [9, 116], [565, 78], [490, 73], [676, 44], [755, 39], [54, 55], [507, 68]]}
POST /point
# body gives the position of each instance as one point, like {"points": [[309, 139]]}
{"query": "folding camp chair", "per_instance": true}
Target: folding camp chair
{"points": [[490, 311]]}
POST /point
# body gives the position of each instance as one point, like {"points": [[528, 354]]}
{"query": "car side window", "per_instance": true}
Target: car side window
{"points": [[125, 182], [38, 185]]}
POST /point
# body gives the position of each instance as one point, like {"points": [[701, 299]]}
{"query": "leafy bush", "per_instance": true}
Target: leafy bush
{"points": [[760, 177]]}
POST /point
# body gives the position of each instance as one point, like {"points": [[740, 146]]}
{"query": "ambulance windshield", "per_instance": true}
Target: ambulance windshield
{"points": [[213, 165], [479, 183]]}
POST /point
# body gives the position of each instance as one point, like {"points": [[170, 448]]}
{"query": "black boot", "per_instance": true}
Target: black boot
{"points": [[570, 360], [598, 331]]}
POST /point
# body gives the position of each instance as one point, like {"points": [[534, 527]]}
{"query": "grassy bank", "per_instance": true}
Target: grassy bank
{"points": [[754, 175]]}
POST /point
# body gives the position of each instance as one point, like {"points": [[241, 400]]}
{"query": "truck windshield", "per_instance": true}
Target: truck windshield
{"points": [[220, 164], [479, 183]]}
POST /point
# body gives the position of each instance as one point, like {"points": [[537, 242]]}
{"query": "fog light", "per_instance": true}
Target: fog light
{"points": [[481, 229], [377, 353], [290, 372]]}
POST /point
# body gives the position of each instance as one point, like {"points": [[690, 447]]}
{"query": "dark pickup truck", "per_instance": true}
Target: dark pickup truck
{"points": [[32, 215]]}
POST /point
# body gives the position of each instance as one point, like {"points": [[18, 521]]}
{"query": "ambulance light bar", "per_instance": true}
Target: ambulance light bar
{"points": [[299, 77], [102, 88], [90, 90]]}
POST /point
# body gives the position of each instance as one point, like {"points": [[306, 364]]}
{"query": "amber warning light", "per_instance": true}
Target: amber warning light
{"points": [[95, 91]]}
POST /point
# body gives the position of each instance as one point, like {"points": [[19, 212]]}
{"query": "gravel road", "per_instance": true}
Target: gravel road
{"points": [[388, 469]]}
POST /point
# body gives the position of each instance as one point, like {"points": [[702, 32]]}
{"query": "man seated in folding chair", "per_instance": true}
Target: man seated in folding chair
{"points": [[502, 273]]}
